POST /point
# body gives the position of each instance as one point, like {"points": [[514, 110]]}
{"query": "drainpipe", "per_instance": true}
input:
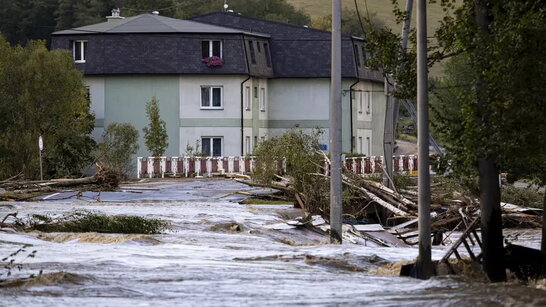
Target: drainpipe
{"points": [[243, 99], [351, 95], [351, 112]]}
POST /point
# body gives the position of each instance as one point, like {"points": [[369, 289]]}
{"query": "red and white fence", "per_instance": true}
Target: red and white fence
{"points": [[207, 166]]}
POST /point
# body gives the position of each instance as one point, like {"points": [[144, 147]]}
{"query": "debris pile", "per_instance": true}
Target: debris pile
{"points": [[368, 201]]}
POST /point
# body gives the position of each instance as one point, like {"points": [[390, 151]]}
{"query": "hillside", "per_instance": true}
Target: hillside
{"points": [[381, 8]]}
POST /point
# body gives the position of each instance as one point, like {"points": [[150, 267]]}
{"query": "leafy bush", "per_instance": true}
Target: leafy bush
{"points": [[119, 145], [90, 221]]}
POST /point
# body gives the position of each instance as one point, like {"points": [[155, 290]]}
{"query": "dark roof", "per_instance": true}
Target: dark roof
{"points": [[150, 23], [296, 51]]}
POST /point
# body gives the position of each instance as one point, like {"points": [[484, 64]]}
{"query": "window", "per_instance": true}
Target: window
{"points": [[211, 97], [255, 92], [211, 146], [258, 45], [79, 51], [247, 144], [255, 141], [262, 99], [357, 55], [247, 98], [211, 48], [252, 54], [267, 56], [368, 146]]}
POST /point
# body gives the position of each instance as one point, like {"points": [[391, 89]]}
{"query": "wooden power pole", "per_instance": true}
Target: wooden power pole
{"points": [[424, 262]]}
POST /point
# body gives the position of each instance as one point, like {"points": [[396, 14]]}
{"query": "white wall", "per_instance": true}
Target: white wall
{"points": [[299, 99], [190, 96]]}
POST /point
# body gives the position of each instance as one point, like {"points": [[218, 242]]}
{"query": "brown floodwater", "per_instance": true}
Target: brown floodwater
{"points": [[220, 253]]}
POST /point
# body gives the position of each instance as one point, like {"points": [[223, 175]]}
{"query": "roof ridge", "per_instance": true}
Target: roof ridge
{"points": [[259, 19], [271, 21], [160, 19], [115, 24]]}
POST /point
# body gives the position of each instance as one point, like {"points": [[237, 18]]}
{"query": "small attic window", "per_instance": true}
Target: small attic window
{"points": [[79, 51], [211, 48]]}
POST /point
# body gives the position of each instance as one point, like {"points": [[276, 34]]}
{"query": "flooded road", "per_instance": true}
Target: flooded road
{"points": [[221, 253]]}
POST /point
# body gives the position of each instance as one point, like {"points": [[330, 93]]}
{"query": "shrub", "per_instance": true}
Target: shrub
{"points": [[90, 221], [119, 145]]}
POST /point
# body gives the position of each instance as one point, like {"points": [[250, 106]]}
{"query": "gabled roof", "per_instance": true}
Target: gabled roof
{"points": [[150, 23]]}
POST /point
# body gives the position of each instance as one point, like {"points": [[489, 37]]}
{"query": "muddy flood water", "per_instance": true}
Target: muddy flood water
{"points": [[221, 253]]}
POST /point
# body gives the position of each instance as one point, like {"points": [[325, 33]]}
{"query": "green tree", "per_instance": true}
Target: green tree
{"points": [[42, 93], [156, 132], [120, 143], [494, 110]]}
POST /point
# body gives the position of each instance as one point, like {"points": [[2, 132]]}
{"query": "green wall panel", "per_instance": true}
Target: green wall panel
{"points": [[125, 100]]}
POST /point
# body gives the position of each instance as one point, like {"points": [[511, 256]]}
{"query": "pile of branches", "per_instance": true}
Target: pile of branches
{"points": [[369, 201]]}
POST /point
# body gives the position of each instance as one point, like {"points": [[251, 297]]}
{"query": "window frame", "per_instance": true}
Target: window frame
{"points": [[83, 47], [211, 98], [211, 47], [211, 145]]}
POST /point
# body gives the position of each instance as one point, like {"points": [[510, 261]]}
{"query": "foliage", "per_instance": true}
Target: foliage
{"points": [[120, 143], [403, 181], [194, 151], [503, 121], [156, 133], [303, 158], [42, 93], [525, 197], [90, 221]]}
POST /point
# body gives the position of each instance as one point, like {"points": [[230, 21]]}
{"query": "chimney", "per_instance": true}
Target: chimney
{"points": [[115, 15]]}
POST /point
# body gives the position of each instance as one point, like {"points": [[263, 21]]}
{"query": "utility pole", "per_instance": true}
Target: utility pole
{"points": [[335, 127], [424, 262]]}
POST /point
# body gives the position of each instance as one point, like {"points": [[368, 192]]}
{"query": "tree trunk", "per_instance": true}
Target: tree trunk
{"points": [[493, 248], [491, 219], [543, 245]]}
